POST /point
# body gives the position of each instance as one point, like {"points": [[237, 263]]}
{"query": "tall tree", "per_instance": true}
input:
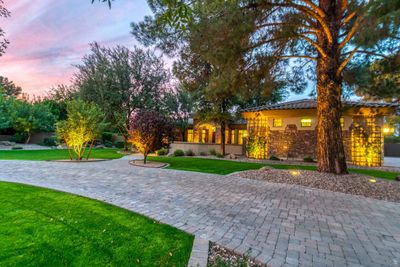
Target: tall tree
{"points": [[180, 105], [376, 79], [121, 81], [328, 33], [9, 87], [3, 42]]}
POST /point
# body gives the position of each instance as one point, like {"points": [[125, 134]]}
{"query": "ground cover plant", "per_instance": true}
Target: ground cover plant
{"points": [[40, 227]]}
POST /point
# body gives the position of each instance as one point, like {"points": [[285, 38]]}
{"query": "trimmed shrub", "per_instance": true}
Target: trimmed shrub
{"points": [[189, 153], [19, 138], [108, 144], [219, 155], [107, 136], [161, 152], [179, 153], [274, 158], [213, 152], [203, 153], [119, 144], [50, 141], [308, 159]]}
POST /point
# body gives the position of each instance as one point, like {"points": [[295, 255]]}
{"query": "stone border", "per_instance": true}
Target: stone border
{"points": [[199, 255], [79, 161], [161, 165]]}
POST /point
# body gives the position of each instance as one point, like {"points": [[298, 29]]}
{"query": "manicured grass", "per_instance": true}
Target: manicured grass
{"points": [[40, 227], [55, 154], [206, 165], [226, 166]]}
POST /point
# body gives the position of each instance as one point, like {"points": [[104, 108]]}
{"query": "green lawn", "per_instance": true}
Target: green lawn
{"points": [[40, 227], [55, 154], [226, 166]]}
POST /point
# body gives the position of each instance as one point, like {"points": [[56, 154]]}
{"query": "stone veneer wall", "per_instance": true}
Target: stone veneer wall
{"points": [[292, 143]]}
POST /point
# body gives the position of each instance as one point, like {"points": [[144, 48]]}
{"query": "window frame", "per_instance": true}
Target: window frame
{"points": [[306, 122], [277, 120]]}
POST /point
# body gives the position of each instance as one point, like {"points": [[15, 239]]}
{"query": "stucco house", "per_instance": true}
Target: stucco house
{"points": [[287, 130]]}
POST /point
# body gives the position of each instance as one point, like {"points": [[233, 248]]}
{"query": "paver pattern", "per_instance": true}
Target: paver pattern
{"points": [[284, 225]]}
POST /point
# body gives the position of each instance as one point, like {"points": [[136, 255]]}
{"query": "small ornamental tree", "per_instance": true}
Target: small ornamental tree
{"points": [[150, 130], [83, 125]]}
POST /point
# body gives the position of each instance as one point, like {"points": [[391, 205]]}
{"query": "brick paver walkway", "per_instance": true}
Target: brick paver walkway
{"points": [[282, 224]]}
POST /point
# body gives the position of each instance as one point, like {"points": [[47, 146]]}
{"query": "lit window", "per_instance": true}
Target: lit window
{"points": [[277, 122], [306, 122], [190, 138], [342, 122], [203, 138], [226, 137], [232, 136], [241, 134]]}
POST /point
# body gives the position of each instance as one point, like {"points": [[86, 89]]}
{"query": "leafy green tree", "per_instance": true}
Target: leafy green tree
{"points": [[84, 123], [179, 106], [3, 42], [122, 81], [57, 98], [325, 35], [29, 118], [6, 107], [9, 88]]}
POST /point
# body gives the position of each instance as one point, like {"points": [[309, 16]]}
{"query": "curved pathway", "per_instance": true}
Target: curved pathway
{"points": [[282, 224]]}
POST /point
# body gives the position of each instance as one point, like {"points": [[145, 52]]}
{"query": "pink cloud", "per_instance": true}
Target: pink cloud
{"points": [[47, 37]]}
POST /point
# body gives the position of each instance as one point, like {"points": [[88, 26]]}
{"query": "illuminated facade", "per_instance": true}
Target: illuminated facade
{"points": [[288, 131]]}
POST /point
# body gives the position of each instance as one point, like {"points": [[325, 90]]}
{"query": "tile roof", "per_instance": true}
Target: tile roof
{"points": [[312, 104]]}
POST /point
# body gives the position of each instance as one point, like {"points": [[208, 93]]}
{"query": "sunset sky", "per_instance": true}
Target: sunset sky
{"points": [[49, 36]]}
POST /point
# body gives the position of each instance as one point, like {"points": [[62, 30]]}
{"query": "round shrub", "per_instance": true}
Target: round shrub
{"points": [[189, 153], [219, 155], [213, 152], [203, 153], [120, 144], [161, 152], [50, 141], [179, 153], [308, 159], [274, 158]]}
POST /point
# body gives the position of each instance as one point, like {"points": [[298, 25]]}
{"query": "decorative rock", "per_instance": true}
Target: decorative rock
{"points": [[232, 156], [6, 143]]}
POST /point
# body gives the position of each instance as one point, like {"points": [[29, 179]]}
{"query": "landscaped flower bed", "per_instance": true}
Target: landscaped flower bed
{"points": [[222, 257], [354, 184]]}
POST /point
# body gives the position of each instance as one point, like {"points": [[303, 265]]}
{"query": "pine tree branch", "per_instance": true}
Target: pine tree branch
{"points": [[320, 12], [348, 18], [352, 31], [296, 56]]}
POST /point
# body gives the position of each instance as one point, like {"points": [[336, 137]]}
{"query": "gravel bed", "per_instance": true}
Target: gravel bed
{"points": [[354, 184], [219, 256]]}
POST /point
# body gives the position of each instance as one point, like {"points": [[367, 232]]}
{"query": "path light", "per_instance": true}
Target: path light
{"points": [[372, 180], [388, 130], [294, 173]]}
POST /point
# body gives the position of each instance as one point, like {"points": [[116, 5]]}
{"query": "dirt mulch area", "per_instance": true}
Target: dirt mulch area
{"points": [[220, 256], [354, 184], [149, 164]]}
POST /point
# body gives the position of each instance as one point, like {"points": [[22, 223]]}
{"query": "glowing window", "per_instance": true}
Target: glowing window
{"points": [[233, 137], [241, 135], [306, 122], [203, 138], [190, 137], [277, 122], [342, 122]]}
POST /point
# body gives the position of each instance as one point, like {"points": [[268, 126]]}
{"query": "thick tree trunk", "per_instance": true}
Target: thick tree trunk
{"points": [[331, 156], [223, 126], [330, 149]]}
